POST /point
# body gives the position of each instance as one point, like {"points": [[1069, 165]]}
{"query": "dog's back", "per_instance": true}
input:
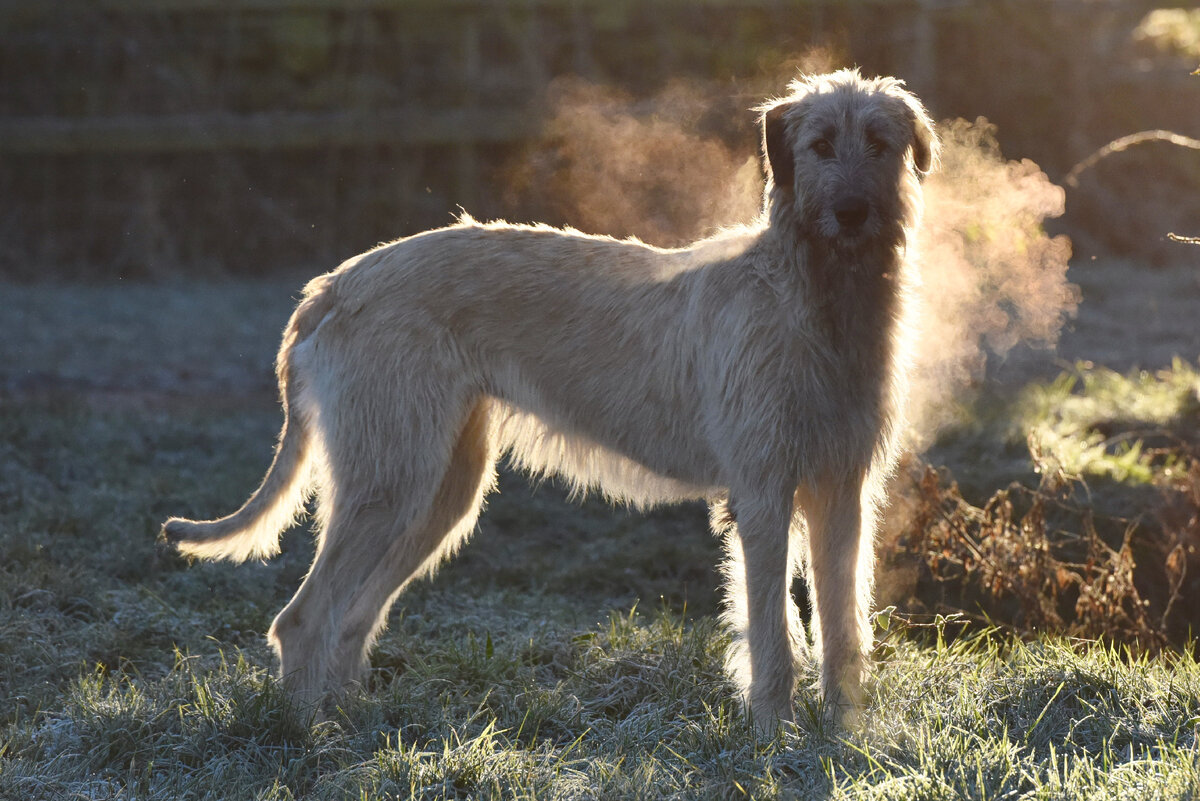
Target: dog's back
{"points": [[603, 341]]}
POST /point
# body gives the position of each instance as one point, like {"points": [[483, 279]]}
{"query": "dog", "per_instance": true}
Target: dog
{"points": [[763, 369]]}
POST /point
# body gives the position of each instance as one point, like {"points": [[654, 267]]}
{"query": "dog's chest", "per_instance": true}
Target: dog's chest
{"points": [[838, 405]]}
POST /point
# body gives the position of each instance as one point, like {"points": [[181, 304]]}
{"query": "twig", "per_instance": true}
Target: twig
{"points": [[1125, 142]]}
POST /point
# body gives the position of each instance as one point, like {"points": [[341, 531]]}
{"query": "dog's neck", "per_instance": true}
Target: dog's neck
{"points": [[858, 296]]}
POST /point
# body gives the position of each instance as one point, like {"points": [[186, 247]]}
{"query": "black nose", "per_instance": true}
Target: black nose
{"points": [[851, 212]]}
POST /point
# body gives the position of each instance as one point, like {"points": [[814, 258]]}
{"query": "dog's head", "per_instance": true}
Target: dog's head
{"points": [[841, 150]]}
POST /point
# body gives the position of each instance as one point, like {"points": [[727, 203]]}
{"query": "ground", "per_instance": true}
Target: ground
{"points": [[1133, 317]]}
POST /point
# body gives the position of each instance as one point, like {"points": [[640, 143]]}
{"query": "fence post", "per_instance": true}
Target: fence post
{"points": [[466, 178]]}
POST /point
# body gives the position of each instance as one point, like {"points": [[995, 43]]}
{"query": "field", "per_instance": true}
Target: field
{"points": [[571, 651]]}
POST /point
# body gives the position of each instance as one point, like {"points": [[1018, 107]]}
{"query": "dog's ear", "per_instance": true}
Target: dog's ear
{"points": [[925, 143], [778, 149]]}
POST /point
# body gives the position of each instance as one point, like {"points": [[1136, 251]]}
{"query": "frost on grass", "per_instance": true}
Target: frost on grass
{"points": [[986, 717]]}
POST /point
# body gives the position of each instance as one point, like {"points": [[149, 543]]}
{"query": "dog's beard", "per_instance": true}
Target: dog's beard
{"points": [[866, 251], [820, 228], [848, 243], [845, 242], [874, 235]]}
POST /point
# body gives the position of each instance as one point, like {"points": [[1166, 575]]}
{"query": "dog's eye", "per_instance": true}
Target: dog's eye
{"points": [[876, 146], [823, 148]]}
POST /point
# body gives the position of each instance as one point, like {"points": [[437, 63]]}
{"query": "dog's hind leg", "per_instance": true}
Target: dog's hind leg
{"points": [[797, 558], [378, 539], [471, 475]]}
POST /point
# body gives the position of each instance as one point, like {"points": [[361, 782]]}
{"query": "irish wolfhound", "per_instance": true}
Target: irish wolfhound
{"points": [[762, 369]]}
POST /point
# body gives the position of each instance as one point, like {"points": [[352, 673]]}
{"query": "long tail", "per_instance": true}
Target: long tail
{"points": [[254, 530]]}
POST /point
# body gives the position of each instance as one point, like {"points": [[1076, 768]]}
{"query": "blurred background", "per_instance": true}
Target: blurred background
{"points": [[161, 138]]}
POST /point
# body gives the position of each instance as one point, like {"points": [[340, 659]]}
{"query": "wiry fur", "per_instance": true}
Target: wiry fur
{"points": [[762, 369]]}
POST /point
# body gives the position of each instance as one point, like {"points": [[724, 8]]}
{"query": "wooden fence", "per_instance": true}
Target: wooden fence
{"points": [[137, 134]]}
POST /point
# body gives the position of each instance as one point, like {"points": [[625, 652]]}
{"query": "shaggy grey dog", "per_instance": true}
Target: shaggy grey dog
{"points": [[762, 369]]}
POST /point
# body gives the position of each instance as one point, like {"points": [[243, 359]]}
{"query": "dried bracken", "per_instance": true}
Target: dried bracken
{"points": [[1043, 558]]}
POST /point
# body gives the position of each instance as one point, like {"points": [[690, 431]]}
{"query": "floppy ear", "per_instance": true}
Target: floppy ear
{"points": [[925, 143], [780, 160]]}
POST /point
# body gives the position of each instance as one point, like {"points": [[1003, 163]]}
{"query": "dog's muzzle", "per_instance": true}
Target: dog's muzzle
{"points": [[851, 212]]}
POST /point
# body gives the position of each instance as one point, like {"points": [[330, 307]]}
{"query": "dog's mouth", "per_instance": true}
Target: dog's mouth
{"points": [[847, 234], [852, 238]]}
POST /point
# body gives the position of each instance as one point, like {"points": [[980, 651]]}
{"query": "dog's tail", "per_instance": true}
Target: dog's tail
{"points": [[253, 531]]}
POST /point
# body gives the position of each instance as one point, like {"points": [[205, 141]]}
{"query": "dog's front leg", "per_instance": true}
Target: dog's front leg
{"points": [[841, 558], [763, 535]]}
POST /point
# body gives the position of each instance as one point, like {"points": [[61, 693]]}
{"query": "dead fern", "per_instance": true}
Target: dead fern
{"points": [[1044, 559]]}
